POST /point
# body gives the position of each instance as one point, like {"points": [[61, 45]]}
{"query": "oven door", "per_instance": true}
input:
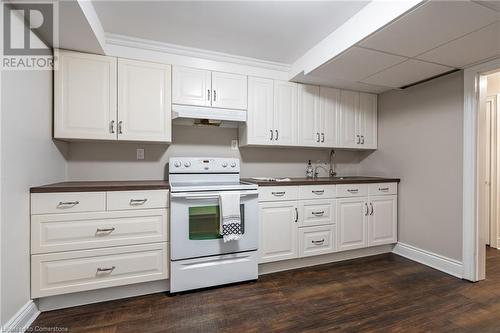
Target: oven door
{"points": [[195, 220]]}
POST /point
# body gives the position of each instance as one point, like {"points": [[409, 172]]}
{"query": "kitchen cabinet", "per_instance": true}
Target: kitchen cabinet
{"points": [[382, 220], [85, 88], [278, 231], [357, 120], [352, 219], [105, 98], [198, 87], [144, 108], [329, 102], [272, 113]]}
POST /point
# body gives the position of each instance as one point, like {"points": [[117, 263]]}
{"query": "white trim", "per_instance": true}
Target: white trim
{"points": [[150, 45], [439, 262], [90, 14], [23, 318], [470, 229]]}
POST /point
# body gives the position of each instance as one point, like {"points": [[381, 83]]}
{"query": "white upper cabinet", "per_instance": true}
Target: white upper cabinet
{"points": [[310, 127], [198, 87], [144, 108], [229, 91], [260, 121], [367, 120], [349, 101], [85, 96], [357, 120], [329, 102], [285, 113], [191, 86]]}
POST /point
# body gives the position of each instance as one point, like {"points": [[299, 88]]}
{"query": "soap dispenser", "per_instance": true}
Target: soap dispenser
{"points": [[309, 170]]}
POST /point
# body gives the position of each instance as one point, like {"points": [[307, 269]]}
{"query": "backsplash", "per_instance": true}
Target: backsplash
{"points": [[117, 161]]}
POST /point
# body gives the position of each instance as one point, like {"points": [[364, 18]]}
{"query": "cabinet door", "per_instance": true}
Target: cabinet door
{"points": [[144, 101], [329, 108], [278, 231], [367, 120], [191, 86], [348, 138], [352, 218], [310, 133], [85, 96], [259, 125], [382, 223], [285, 112], [229, 91]]}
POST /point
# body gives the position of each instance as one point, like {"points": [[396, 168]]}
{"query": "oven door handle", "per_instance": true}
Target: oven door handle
{"points": [[197, 196]]}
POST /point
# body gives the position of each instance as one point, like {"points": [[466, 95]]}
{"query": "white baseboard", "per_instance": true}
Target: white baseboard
{"points": [[439, 262], [22, 319]]}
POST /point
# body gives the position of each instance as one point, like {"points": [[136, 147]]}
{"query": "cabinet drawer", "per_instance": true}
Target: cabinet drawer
{"points": [[352, 190], [121, 200], [278, 193], [67, 202], [316, 212], [383, 188], [317, 192], [316, 240], [68, 272], [80, 231]]}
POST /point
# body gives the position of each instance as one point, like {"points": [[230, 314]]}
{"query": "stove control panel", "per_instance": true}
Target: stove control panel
{"points": [[203, 165]]}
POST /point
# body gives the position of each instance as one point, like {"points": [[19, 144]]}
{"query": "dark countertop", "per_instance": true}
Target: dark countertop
{"points": [[324, 181], [101, 186]]}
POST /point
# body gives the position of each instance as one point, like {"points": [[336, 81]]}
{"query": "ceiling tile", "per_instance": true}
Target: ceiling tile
{"points": [[356, 64], [341, 84], [429, 26], [472, 48], [408, 72]]}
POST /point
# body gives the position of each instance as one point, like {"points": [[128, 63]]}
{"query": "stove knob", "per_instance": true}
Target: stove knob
{"points": [[187, 164], [224, 165], [177, 164], [233, 165]]}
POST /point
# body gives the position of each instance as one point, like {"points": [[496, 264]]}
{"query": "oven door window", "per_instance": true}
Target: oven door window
{"points": [[204, 222]]}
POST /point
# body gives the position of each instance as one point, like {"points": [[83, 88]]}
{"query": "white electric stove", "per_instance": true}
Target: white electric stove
{"points": [[199, 256]]}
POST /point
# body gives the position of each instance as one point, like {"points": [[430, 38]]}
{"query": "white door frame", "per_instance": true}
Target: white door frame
{"points": [[473, 251]]}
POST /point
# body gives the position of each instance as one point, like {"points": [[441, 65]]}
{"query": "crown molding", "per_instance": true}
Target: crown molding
{"points": [[150, 45]]}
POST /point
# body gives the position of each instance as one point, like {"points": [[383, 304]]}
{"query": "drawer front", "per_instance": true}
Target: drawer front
{"points": [[316, 212], [80, 231], [317, 192], [122, 200], [67, 202], [383, 189], [278, 193], [316, 240], [352, 190], [68, 272]]}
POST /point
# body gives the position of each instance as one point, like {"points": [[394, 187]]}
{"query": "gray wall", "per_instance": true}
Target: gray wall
{"points": [[28, 158], [117, 161], [420, 141]]}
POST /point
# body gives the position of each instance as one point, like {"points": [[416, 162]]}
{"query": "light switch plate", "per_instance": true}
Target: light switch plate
{"points": [[234, 144], [140, 153]]}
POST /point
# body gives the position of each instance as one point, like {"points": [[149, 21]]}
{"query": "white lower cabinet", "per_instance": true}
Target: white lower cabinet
{"points": [[382, 221], [316, 240], [352, 223], [278, 230]]}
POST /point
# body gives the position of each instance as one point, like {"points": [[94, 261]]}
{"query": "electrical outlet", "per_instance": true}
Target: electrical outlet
{"points": [[140, 153], [234, 144]]}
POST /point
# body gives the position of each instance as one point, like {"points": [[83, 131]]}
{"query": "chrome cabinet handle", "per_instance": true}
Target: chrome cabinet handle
{"points": [[65, 204], [208, 95], [318, 213], [359, 139], [110, 269], [318, 242], [372, 209], [362, 139], [318, 192], [120, 123], [296, 215], [276, 135], [137, 202], [105, 230], [366, 209], [112, 127], [353, 190], [322, 137], [383, 189], [215, 95], [317, 137], [271, 134], [278, 194]]}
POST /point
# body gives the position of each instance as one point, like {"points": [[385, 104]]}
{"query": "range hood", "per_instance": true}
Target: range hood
{"points": [[207, 116]]}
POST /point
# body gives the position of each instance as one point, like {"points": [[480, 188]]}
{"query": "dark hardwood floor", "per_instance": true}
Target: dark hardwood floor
{"points": [[384, 293]]}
